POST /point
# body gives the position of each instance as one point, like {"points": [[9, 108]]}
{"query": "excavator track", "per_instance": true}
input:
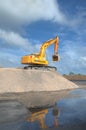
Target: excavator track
{"points": [[40, 67]]}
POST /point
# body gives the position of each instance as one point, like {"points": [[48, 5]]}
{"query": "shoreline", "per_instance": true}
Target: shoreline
{"points": [[39, 99], [75, 77]]}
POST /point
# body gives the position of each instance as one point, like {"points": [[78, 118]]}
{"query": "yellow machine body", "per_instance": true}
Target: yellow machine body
{"points": [[34, 59], [40, 58]]}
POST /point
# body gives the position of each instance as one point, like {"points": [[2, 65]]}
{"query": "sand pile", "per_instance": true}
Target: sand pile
{"points": [[20, 80]]}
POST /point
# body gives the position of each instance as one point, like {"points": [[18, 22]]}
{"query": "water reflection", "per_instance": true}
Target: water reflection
{"points": [[40, 116], [11, 111], [66, 114], [56, 114]]}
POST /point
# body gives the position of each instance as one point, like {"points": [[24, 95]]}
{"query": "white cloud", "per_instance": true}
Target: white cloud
{"points": [[15, 13], [73, 57], [13, 39], [16, 40], [78, 19], [83, 58], [8, 59], [82, 61], [11, 44], [18, 12]]}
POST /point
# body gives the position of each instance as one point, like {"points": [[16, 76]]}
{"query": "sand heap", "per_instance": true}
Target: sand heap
{"points": [[20, 80]]}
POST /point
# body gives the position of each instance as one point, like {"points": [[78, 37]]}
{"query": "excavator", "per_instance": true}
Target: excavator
{"points": [[39, 60]]}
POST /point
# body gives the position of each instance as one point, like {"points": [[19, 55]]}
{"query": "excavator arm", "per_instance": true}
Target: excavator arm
{"points": [[46, 44]]}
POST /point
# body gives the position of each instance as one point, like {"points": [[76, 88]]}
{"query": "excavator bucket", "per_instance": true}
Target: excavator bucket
{"points": [[55, 57]]}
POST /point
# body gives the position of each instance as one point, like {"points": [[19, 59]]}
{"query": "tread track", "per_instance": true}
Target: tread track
{"points": [[39, 67]]}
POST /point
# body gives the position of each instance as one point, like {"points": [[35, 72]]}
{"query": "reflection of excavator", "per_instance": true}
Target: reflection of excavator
{"points": [[39, 59], [40, 117]]}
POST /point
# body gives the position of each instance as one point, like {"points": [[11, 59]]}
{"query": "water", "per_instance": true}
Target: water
{"points": [[65, 114], [80, 82]]}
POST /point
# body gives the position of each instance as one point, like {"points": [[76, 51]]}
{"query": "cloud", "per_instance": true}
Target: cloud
{"points": [[8, 59], [78, 19], [73, 57], [13, 46], [14, 13], [12, 39]]}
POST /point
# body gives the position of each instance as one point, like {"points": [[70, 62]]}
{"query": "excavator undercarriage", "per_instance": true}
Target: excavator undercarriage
{"points": [[40, 67]]}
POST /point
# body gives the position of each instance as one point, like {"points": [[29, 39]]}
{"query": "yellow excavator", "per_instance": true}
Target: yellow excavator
{"points": [[39, 60]]}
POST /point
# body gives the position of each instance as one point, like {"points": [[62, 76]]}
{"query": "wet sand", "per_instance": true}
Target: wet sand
{"points": [[35, 99]]}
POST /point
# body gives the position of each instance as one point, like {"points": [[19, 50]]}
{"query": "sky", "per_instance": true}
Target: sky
{"points": [[26, 24]]}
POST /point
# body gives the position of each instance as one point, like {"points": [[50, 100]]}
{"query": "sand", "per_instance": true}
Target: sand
{"points": [[34, 88], [20, 80]]}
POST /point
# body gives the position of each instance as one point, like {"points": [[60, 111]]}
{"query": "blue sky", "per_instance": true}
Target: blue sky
{"points": [[26, 24]]}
